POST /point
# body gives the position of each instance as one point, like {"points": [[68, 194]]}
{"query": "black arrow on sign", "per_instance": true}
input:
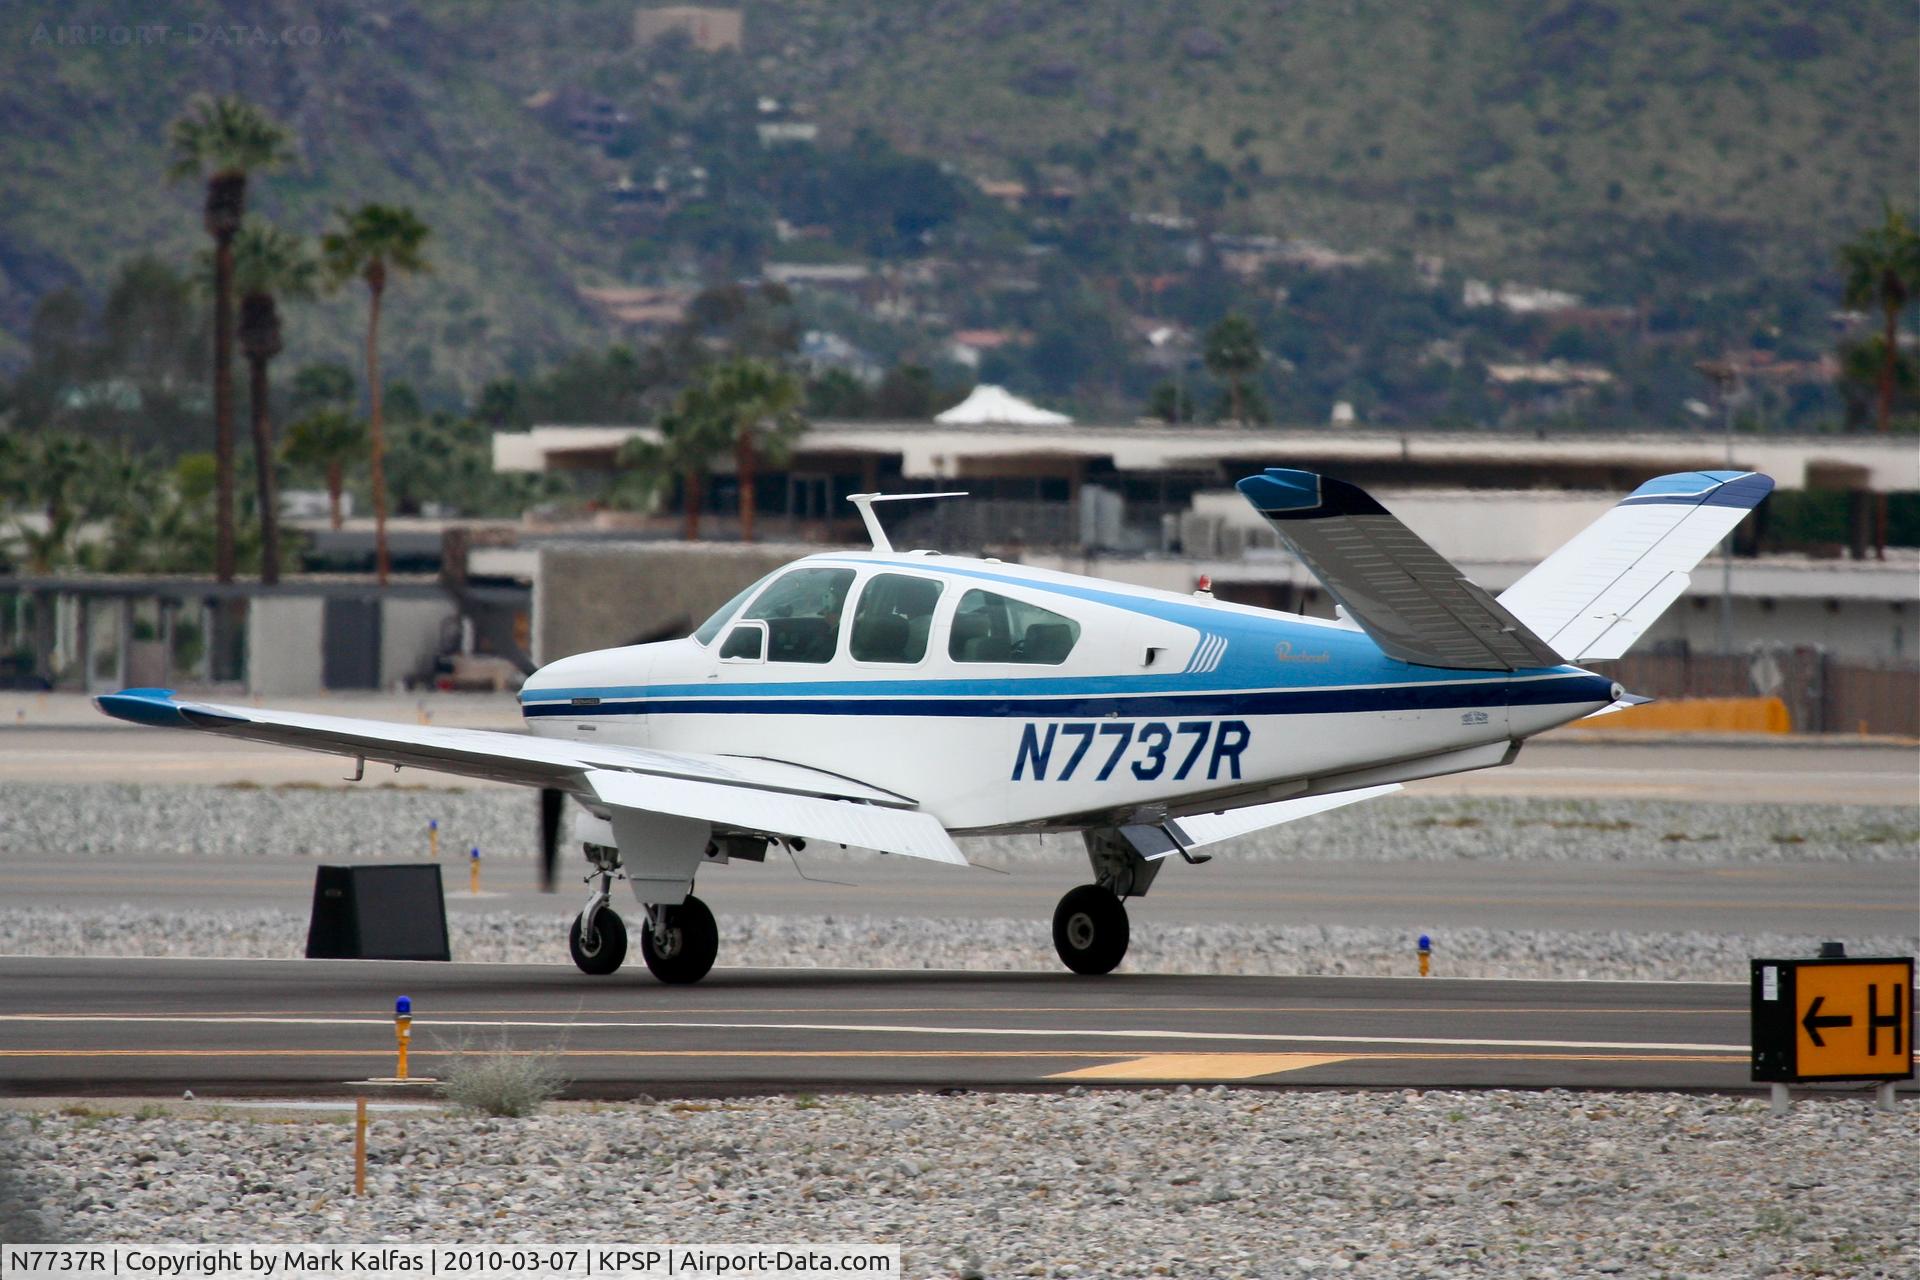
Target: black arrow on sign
{"points": [[1813, 1021]]}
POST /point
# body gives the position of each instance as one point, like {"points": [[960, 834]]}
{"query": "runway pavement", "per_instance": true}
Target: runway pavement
{"points": [[1837, 899], [256, 1028], [283, 1027]]}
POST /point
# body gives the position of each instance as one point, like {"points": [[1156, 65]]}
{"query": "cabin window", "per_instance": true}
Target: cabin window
{"points": [[802, 612], [994, 628], [893, 618], [711, 627]]}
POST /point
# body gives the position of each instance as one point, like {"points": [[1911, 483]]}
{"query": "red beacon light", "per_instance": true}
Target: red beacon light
{"points": [[1204, 586]]}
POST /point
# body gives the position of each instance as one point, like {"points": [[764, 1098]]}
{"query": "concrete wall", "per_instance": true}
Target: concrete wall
{"points": [[1866, 632], [600, 597], [284, 637], [410, 633]]}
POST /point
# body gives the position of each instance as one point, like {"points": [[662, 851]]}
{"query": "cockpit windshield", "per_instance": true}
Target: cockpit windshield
{"points": [[711, 627]]}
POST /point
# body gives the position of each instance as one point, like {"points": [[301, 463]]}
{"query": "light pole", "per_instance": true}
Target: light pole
{"points": [[1726, 382], [1165, 341]]}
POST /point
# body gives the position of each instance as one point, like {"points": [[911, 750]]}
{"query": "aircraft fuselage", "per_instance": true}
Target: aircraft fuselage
{"points": [[953, 681]]}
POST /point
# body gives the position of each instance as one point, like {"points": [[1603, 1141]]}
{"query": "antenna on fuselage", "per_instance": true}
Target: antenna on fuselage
{"points": [[865, 502]]}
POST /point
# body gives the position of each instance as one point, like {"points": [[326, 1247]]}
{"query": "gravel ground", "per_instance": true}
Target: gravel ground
{"points": [[124, 820], [911, 943], [130, 820], [1214, 1182]]}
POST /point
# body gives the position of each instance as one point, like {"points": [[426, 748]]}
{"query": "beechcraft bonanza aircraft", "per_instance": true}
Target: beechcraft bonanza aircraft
{"points": [[892, 701]]}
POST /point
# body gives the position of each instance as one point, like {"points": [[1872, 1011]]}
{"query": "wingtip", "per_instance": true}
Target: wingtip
{"points": [[1283, 493], [1279, 489], [1742, 489], [143, 706]]}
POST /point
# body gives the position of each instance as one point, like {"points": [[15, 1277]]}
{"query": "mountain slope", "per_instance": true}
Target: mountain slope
{"points": [[1611, 147]]}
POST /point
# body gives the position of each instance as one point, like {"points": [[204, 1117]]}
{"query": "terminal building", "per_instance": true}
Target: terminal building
{"points": [[1832, 630], [1152, 505], [1156, 506]]}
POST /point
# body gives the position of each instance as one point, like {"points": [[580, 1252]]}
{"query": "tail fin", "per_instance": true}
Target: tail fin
{"points": [[1417, 607], [1595, 596]]}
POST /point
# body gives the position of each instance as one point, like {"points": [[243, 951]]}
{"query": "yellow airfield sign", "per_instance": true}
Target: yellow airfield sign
{"points": [[1838, 1018]]}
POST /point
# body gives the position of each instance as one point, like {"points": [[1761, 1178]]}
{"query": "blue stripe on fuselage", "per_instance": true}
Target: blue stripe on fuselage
{"points": [[816, 700]]}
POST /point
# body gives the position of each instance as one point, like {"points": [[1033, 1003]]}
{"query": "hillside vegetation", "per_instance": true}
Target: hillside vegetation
{"points": [[1511, 133], [1618, 149]]}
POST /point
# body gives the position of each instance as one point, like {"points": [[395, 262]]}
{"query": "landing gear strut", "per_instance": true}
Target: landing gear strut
{"points": [[602, 951], [680, 941], [1090, 929], [598, 938]]}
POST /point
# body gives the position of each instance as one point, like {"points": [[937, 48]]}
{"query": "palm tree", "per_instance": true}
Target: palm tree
{"points": [[321, 386], [327, 440], [60, 476], [1883, 269], [268, 264], [371, 241], [692, 434], [1233, 355], [225, 139], [758, 404]]}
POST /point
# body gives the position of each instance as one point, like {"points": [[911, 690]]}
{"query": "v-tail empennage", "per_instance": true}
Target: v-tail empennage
{"points": [[1588, 601]]}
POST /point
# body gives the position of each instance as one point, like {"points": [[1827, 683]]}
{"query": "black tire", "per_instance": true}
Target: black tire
{"points": [[1090, 930], [610, 944], [693, 942]]}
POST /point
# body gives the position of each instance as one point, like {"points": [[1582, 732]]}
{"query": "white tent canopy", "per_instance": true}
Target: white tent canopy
{"points": [[989, 403]]}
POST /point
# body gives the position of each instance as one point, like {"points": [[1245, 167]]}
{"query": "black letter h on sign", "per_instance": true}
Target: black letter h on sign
{"points": [[1877, 1020]]}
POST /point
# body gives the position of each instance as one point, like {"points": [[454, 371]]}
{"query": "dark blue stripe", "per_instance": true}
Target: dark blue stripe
{"points": [[1263, 702]]}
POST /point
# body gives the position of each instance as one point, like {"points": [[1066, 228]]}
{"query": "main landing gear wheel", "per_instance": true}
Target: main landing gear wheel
{"points": [[1090, 929], [682, 949], [606, 951]]}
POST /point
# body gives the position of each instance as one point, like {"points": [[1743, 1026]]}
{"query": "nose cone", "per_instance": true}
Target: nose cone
{"points": [[603, 673], [562, 673]]}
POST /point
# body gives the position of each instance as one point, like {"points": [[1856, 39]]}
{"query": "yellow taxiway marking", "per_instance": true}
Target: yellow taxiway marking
{"points": [[880, 1054], [1249, 1066], [561, 1053], [1200, 1066], [889, 1029], [795, 1010]]}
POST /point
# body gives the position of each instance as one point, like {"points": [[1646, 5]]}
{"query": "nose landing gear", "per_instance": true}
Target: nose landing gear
{"points": [[605, 948], [598, 938]]}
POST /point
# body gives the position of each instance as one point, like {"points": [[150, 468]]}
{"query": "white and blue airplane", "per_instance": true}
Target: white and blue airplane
{"points": [[894, 700]]}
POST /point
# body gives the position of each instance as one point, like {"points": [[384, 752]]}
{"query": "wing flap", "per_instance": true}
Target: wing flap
{"points": [[903, 831], [1415, 604]]}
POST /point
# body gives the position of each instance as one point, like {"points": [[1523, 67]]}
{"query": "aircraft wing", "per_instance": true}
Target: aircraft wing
{"points": [[1407, 596], [741, 792], [1600, 592]]}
